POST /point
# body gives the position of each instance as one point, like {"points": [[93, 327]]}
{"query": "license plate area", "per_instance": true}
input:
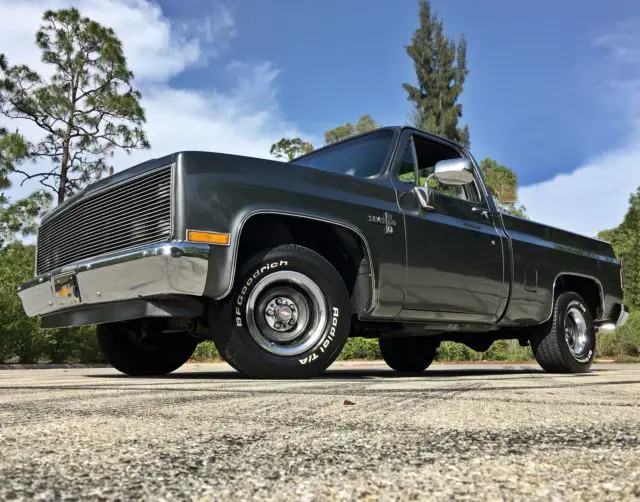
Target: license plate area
{"points": [[65, 289]]}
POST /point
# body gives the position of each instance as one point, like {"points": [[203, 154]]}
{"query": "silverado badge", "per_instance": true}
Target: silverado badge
{"points": [[386, 219]]}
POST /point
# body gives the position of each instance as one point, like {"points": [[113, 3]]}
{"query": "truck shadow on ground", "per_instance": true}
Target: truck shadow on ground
{"points": [[366, 373]]}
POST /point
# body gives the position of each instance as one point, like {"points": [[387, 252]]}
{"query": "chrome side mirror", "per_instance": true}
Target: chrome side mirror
{"points": [[453, 172]]}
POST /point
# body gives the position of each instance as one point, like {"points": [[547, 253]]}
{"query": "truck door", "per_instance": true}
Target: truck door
{"points": [[455, 265]]}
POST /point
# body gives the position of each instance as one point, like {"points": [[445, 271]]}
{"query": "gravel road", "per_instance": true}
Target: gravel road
{"points": [[464, 432]]}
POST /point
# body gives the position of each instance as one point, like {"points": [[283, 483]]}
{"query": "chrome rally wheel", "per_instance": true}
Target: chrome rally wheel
{"points": [[576, 332], [286, 313]]}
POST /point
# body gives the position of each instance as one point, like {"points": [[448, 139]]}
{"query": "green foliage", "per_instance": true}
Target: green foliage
{"points": [[501, 350], [501, 180], [87, 109], [17, 217], [364, 124], [503, 184], [361, 348], [20, 217], [441, 68], [290, 148], [625, 239], [22, 339], [21, 336], [205, 351]]}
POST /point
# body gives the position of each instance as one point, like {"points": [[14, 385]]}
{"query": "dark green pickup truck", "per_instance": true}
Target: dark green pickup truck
{"points": [[391, 234]]}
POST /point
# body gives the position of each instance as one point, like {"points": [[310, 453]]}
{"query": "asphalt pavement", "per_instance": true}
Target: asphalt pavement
{"points": [[358, 432]]}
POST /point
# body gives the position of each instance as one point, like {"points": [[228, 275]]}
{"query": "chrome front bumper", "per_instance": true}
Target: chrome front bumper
{"points": [[167, 268]]}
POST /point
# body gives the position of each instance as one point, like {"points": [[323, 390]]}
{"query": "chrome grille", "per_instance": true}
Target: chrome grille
{"points": [[130, 214]]}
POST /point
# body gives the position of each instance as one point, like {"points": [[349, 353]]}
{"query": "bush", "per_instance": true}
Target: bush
{"points": [[361, 348], [205, 351], [22, 339], [452, 351]]}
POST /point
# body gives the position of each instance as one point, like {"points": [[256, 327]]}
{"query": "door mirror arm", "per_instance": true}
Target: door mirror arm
{"points": [[425, 197]]}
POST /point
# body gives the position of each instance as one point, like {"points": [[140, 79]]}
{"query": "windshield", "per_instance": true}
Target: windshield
{"points": [[361, 157]]}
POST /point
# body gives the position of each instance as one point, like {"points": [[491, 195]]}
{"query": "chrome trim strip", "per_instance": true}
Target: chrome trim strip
{"points": [[595, 279], [531, 239], [173, 267], [172, 201], [356, 230]]}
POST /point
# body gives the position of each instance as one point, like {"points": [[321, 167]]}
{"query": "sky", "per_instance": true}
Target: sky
{"points": [[553, 90]]}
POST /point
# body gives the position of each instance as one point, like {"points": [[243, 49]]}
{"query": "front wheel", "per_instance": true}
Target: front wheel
{"points": [[288, 316], [410, 354], [139, 348], [567, 343]]}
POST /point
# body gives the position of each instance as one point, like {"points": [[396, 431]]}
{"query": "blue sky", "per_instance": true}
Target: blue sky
{"points": [[531, 99], [553, 90]]}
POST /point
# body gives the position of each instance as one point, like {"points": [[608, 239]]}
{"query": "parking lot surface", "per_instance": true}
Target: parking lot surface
{"points": [[358, 432]]}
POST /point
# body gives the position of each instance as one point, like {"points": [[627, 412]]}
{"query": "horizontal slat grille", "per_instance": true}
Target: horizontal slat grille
{"points": [[131, 214]]}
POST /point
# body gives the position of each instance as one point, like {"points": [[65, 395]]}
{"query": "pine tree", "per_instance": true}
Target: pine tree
{"points": [[17, 217], [87, 109], [441, 68]]}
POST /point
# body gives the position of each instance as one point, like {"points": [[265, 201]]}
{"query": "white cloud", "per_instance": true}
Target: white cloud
{"points": [[244, 119], [595, 195], [591, 198], [156, 47]]}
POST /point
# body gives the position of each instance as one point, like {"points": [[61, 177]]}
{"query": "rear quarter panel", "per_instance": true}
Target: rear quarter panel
{"points": [[547, 252]]}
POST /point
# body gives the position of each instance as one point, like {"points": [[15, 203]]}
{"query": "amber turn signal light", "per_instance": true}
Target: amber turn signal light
{"points": [[216, 238]]}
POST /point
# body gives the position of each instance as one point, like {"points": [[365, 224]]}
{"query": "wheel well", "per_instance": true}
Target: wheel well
{"points": [[342, 247], [586, 287]]}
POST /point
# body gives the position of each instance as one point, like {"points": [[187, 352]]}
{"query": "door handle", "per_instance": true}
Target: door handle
{"points": [[485, 213]]}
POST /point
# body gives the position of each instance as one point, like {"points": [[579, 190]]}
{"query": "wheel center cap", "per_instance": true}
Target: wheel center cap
{"points": [[284, 313]]}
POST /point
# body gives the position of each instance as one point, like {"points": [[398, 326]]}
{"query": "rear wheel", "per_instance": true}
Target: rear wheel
{"points": [[288, 315], [139, 348], [410, 354], [567, 343]]}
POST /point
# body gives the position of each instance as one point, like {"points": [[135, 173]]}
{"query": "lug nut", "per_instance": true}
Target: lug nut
{"points": [[278, 325], [269, 312], [291, 322], [279, 301]]}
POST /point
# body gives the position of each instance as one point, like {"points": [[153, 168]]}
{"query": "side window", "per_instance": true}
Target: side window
{"points": [[428, 154]]}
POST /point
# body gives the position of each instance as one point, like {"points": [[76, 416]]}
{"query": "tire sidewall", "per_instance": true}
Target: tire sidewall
{"points": [[573, 300], [257, 361]]}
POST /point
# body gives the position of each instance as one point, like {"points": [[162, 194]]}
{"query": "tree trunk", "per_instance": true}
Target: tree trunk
{"points": [[66, 143], [64, 166]]}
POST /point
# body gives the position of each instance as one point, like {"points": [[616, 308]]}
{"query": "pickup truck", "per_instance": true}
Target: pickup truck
{"points": [[392, 235]]}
